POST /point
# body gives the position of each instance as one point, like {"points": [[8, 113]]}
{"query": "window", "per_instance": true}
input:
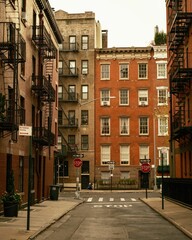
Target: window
{"points": [[125, 154], [124, 96], [60, 92], [84, 42], [162, 95], [84, 92], [59, 142], [105, 154], [84, 117], [22, 110], [60, 117], [124, 74], [84, 142], [63, 168], [71, 93], [143, 152], [105, 126], [161, 70], [124, 175], [84, 67], [162, 125], [163, 152], [143, 97], [143, 126], [21, 173], [124, 126], [72, 42], [105, 97], [142, 71], [105, 72], [72, 66], [60, 67], [71, 142], [71, 117]]}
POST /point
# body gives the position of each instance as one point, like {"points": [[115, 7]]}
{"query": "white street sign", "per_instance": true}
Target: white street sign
{"points": [[25, 130]]}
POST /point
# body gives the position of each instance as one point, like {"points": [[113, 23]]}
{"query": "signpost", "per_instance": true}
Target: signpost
{"points": [[145, 168], [27, 131], [77, 162]]}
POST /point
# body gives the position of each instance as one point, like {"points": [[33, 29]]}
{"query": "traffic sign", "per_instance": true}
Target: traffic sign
{"points": [[77, 162], [145, 168]]}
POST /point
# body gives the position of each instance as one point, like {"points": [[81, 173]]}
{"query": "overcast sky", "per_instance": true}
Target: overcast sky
{"points": [[129, 22]]}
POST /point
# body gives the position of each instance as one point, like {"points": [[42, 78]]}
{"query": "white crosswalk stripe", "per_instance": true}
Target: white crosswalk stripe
{"points": [[101, 199]]}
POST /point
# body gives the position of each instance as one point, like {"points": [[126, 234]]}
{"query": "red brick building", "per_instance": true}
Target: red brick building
{"points": [[133, 125]]}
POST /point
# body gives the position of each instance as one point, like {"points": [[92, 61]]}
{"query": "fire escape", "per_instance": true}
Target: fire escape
{"points": [[67, 120], [12, 53], [42, 86], [180, 71]]}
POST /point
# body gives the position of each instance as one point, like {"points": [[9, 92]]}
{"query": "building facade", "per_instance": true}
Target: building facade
{"points": [[179, 19], [29, 39], [131, 116], [76, 116]]}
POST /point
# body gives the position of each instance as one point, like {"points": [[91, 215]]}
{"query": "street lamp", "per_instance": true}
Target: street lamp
{"points": [[155, 154]]}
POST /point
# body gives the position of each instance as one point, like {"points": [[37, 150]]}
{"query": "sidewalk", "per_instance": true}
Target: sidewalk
{"points": [[46, 213], [42, 215], [177, 214]]}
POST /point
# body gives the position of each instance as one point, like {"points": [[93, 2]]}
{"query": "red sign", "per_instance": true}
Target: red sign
{"points": [[145, 167], [77, 162]]}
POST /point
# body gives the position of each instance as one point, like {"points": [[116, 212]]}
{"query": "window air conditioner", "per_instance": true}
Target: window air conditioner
{"points": [[142, 103], [105, 103], [84, 71]]}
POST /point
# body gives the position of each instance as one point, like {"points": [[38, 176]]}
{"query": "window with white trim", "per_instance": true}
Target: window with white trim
{"points": [[105, 71], [59, 142], [124, 154], [72, 67], [161, 70], [143, 126], [143, 97], [105, 126], [162, 96], [105, 154], [124, 97], [105, 97], [163, 152], [124, 71], [143, 152], [124, 126], [162, 125], [142, 70]]}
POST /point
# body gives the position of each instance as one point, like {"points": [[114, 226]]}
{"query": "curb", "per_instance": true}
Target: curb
{"points": [[46, 226], [182, 229]]}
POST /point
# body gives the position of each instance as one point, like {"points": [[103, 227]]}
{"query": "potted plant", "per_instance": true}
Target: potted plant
{"points": [[10, 198]]}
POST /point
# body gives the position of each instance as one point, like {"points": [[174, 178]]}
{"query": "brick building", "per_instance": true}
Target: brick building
{"points": [[29, 39], [82, 34], [134, 125]]}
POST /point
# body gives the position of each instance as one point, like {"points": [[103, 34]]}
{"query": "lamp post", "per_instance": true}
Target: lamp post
{"points": [[155, 154]]}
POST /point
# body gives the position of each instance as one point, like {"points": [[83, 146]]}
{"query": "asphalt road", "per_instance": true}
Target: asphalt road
{"points": [[107, 215]]}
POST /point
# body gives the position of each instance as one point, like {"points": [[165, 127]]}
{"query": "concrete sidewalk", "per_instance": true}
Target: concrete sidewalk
{"points": [[177, 214], [44, 214]]}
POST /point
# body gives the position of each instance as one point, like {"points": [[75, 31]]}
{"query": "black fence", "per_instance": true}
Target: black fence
{"points": [[179, 190]]}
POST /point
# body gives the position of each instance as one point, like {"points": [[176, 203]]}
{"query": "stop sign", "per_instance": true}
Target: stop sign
{"points": [[145, 167], [77, 162]]}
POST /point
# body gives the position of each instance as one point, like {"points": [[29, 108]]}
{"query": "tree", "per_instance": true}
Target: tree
{"points": [[160, 38]]}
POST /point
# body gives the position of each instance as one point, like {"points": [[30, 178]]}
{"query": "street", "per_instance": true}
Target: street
{"points": [[112, 215]]}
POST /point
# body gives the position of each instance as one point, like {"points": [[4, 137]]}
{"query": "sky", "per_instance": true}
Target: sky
{"points": [[129, 22]]}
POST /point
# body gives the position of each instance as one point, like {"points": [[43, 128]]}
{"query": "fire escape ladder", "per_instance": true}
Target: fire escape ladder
{"points": [[71, 148]]}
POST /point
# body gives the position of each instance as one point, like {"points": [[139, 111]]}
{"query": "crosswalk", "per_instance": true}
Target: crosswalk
{"points": [[110, 199]]}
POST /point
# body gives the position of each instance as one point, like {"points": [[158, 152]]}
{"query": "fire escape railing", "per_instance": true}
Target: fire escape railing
{"points": [[42, 38]]}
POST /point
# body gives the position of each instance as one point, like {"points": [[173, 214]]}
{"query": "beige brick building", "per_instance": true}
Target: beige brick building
{"points": [[29, 39]]}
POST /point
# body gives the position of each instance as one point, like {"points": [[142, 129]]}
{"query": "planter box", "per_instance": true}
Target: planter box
{"points": [[10, 209]]}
